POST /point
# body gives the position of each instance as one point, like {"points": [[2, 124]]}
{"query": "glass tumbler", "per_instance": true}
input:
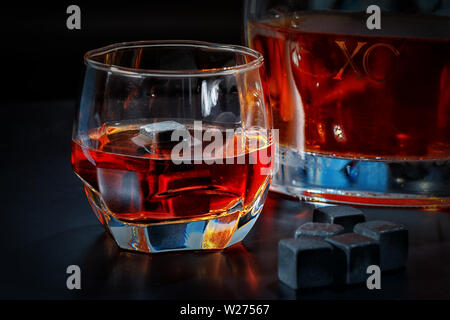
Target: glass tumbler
{"points": [[173, 143], [363, 112]]}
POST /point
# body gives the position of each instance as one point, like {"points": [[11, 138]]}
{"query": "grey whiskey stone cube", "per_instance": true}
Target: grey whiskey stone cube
{"points": [[353, 254], [318, 229], [157, 137], [159, 132], [343, 215], [393, 241], [305, 262]]}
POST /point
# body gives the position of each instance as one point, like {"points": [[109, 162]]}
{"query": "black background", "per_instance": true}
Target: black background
{"points": [[42, 59]]}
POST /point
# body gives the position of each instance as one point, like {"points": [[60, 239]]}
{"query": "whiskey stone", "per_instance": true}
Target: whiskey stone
{"points": [[305, 262], [353, 254], [159, 132], [317, 229], [393, 241], [343, 215]]}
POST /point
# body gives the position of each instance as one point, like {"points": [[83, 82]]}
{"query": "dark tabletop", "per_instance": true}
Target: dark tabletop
{"points": [[47, 225]]}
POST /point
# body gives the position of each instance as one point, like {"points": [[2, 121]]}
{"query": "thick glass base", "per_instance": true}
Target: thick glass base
{"points": [[404, 183], [213, 232]]}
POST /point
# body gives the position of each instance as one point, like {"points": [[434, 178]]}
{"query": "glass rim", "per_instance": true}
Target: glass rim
{"points": [[255, 63]]}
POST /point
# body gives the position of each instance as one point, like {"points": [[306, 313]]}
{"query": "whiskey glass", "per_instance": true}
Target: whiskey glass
{"points": [[173, 143], [363, 113]]}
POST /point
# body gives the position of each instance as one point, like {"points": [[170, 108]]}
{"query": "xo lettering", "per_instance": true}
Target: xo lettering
{"points": [[351, 57]]}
